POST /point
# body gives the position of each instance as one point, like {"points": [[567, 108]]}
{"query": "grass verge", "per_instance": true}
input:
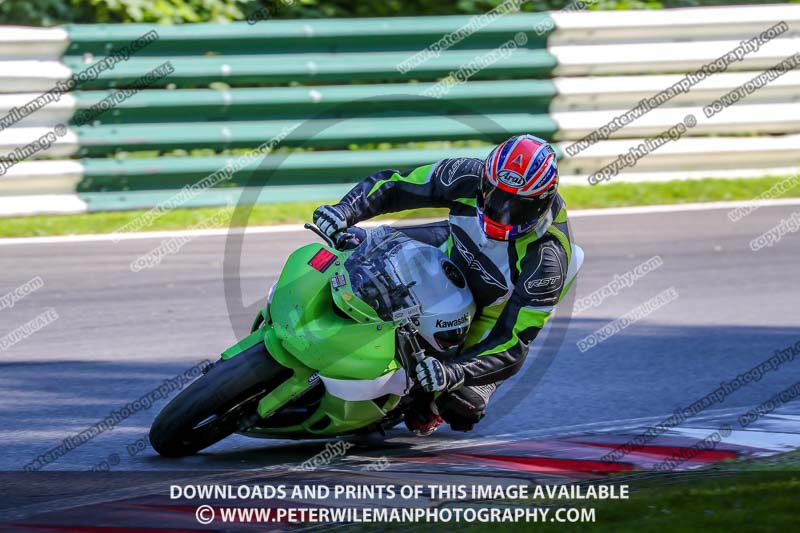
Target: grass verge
{"points": [[740, 495], [577, 197]]}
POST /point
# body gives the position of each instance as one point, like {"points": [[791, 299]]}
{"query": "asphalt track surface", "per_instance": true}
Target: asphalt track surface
{"points": [[120, 334]]}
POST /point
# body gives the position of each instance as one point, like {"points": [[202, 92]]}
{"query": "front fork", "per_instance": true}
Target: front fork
{"points": [[263, 316], [409, 332]]}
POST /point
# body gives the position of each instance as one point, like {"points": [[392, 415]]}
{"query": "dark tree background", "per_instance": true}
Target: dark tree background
{"points": [[52, 12]]}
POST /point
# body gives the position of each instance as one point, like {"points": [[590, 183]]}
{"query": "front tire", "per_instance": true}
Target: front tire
{"points": [[214, 406]]}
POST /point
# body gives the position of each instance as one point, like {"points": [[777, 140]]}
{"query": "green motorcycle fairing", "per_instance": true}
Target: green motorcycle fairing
{"points": [[320, 328]]}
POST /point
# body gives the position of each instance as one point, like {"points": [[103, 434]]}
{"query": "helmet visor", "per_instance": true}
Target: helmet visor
{"points": [[510, 209]]}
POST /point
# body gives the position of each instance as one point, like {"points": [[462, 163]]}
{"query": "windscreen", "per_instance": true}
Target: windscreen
{"points": [[395, 275]]}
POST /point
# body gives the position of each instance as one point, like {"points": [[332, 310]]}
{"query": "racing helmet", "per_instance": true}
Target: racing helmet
{"points": [[518, 187]]}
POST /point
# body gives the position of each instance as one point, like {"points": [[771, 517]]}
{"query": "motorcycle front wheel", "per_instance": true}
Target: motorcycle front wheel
{"points": [[217, 404]]}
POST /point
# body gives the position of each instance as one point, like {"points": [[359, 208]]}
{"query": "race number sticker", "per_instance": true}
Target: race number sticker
{"points": [[322, 260]]}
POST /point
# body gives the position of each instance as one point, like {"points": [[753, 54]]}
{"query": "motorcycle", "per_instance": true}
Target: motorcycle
{"points": [[332, 352]]}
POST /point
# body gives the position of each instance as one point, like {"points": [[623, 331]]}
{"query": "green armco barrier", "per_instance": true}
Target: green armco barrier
{"points": [[196, 105], [128, 200], [254, 63], [312, 168], [319, 35], [315, 68], [322, 133], [335, 92]]}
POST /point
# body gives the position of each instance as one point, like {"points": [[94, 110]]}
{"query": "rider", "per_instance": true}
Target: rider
{"points": [[507, 232]]}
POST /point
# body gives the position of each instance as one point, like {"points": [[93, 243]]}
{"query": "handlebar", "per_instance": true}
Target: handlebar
{"points": [[356, 237]]}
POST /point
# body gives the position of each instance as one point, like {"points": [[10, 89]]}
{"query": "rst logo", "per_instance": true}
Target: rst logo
{"points": [[542, 286], [544, 282], [547, 277]]}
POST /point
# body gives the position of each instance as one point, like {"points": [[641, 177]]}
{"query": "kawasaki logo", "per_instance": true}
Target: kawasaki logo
{"points": [[460, 321]]}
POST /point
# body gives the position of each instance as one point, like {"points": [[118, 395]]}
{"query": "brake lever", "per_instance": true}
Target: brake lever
{"points": [[319, 232]]}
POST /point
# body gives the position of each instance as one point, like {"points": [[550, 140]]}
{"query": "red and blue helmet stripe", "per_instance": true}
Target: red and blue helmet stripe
{"points": [[523, 165]]}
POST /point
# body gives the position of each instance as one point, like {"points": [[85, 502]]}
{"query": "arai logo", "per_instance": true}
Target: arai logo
{"points": [[512, 179]]}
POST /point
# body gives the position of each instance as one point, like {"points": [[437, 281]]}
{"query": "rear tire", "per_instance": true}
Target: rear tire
{"points": [[212, 407]]}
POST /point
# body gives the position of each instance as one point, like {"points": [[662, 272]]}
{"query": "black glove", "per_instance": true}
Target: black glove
{"points": [[332, 219], [435, 376], [350, 238]]}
